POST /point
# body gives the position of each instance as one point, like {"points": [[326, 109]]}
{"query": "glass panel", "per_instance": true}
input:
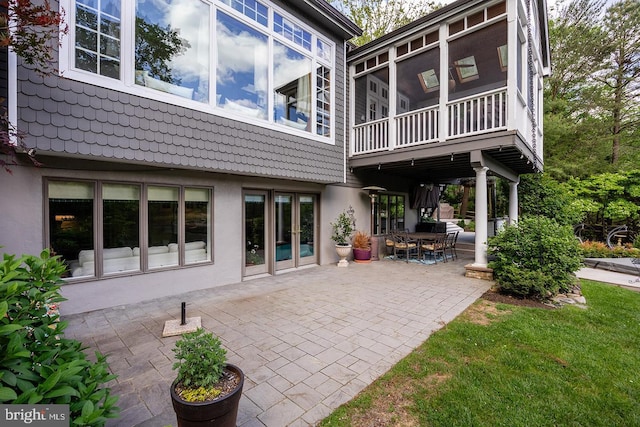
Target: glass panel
{"points": [[283, 228], [323, 101], [369, 96], [197, 225], [477, 68], [383, 213], [96, 42], [292, 80], [418, 80], [250, 8], [162, 207], [86, 39], [121, 228], [291, 31], [307, 226], [324, 50], [254, 229], [86, 17], [71, 226], [242, 68], [172, 47]]}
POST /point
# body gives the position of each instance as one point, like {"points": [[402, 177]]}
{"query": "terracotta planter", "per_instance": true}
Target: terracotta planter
{"points": [[220, 413], [361, 255]]}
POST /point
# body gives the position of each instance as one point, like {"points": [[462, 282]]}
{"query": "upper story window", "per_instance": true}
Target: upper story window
{"points": [[243, 59], [97, 30]]}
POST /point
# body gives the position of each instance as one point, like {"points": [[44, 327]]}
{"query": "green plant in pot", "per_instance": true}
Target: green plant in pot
{"points": [[342, 229], [207, 389]]}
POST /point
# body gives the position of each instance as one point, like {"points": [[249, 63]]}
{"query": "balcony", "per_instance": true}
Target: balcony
{"points": [[457, 89], [472, 115]]}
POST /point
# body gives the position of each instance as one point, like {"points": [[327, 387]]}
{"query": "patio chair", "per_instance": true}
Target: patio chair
{"points": [[435, 247], [450, 244], [402, 243]]}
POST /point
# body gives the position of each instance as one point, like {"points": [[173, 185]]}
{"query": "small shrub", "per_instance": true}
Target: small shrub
{"points": [[361, 240], [535, 258], [200, 359], [342, 228], [37, 364], [471, 226], [591, 249]]}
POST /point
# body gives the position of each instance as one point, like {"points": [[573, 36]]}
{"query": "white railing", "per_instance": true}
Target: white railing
{"points": [[472, 115], [478, 114], [417, 127], [371, 136]]}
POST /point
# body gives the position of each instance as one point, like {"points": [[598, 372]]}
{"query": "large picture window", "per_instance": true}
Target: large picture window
{"points": [[172, 49], [266, 64], [142, 227]]}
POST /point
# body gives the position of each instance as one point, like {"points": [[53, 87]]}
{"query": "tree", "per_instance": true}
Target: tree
{"points": [[29, 30], [572, 141], [621, 74], [592, 107], [379, 17], [155, 47]]}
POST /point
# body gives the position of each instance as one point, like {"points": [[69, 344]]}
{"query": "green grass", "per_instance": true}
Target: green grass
{"points": [[526, 367]]}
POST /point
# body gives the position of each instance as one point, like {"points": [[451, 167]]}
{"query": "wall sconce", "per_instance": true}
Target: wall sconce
{"points": [[378, 166], [412, 162], [452, 157]]}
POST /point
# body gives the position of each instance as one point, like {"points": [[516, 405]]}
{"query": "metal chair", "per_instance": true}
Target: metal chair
{"points": [[450, 244], [435, 247], [404, 244]]}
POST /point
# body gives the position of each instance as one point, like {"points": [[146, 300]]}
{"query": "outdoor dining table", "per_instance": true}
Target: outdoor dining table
{"points": [[423, 236]]}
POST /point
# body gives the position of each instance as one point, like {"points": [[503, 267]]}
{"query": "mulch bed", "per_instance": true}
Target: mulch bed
{"points": [[492, 295]]}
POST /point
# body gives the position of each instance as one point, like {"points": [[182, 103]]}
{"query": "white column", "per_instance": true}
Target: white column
{"points": [[513, 202], [481, 217]]}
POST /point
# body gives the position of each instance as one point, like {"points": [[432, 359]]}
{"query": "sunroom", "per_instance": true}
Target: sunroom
{"points": [[456, 94]]}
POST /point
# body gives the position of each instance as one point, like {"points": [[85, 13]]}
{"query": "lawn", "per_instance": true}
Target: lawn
{"points": [[505, 365]]}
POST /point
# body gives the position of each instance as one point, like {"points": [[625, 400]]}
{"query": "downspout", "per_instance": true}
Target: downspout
{"points": [[12, 95], [346, 117]]}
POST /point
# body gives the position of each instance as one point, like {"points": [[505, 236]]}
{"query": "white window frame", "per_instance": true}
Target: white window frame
{"points": [[127, 84]]}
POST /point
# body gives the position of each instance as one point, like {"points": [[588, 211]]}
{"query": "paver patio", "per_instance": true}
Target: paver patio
{"points": [[307, 341]]}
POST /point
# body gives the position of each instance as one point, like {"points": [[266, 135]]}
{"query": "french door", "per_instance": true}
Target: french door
{"points": [[295, 230], [279, 231]]}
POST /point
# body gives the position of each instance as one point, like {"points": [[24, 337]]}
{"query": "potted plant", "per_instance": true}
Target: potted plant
{"points": [[361, 247], [206, 390], [342, 229]]}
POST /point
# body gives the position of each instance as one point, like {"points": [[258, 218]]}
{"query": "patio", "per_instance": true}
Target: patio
{"points": [[307, 341]]}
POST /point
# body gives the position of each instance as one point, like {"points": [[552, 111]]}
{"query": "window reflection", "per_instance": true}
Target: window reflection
{"points": [[292, 80], [172, 47], [97, 34], [242, 68], [162, 207], [120, 227]]}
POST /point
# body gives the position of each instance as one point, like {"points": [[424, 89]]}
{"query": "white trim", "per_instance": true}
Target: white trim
{"points": [[12, 95]]}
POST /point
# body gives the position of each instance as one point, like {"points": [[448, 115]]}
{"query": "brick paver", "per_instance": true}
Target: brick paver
{"points": [[307, 341]]}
